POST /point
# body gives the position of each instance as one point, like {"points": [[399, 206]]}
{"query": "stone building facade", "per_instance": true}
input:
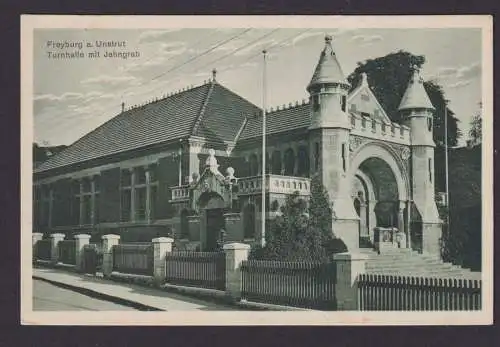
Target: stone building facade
{"points": [[190, 164]]}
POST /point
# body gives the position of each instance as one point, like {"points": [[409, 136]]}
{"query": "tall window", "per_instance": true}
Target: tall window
{"points": [[85, 201], [289, 162], [254, 165], [343, 103], [430, 170], [45, 205], [184, 224], [303, 162], [139, 187], [276, 163]]}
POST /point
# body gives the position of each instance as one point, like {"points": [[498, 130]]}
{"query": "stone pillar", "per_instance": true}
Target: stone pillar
{"points": [[234, 227], [161, 246], [108, 241], [349, 266], [81, 241], [236, 253], [35, 237], [54, 247]]}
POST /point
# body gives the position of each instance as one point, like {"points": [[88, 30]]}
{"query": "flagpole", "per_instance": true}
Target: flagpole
{"points": [[446, 162], [263, 184]]}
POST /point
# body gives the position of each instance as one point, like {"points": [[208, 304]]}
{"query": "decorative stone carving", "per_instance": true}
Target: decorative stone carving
{"points": [[405, 153], [354, 143]]}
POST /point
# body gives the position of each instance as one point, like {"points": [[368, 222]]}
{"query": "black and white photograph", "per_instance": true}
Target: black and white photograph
{"points": [[240, 166]]}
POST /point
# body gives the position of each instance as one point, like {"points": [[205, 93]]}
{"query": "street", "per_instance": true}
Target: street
{"points": [[47, 297]]}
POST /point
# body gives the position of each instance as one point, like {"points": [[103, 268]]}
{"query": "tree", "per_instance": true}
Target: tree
{"points": [[476, 129], [388, 77], [302, 233]]}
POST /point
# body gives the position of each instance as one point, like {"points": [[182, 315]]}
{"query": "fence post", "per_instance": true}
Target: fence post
{"points": [[161, 246], [54, 247], [35, 237], [348, 267], [108, 241], [236, 253], [80, 241]]}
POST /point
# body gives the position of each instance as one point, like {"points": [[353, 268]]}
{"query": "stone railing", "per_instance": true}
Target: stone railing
{"points": [[371, 128], [180, 193], [274, 184]]}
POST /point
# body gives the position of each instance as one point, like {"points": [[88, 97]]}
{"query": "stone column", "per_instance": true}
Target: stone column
{"points": [[81, 241], [161, 246], [35, 237], [349, 266], [236, 253], [108, 241], [54, 247], [401, 236]]}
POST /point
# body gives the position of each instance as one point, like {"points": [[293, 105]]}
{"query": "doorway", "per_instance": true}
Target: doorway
{"points": [[215, 223]]}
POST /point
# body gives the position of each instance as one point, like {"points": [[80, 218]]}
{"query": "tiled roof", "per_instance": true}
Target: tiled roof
{"points": [[219, 117], [283, 120], [328, 69], [415, 95], [223, 115]]}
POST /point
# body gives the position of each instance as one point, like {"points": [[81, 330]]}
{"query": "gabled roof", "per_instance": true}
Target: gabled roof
{"points": [[283, 120], [415, 96], [328, 69], [363, 86], [209, 110]]}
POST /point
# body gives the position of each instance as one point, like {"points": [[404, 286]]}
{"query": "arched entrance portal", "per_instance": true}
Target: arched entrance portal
{"points": [[379, 192], [211, 206]]}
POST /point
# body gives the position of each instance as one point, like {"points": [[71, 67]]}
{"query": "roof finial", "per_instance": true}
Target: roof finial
{"points": [[328, 38], [123, 106], [214, 74]]}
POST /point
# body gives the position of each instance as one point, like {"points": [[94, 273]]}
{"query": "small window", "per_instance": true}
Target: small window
{"points": [[315, 102], [430, 170], [316, 156]]}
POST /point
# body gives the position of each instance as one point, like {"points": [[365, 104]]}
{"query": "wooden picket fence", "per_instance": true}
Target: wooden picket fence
{"points": [[299, 284], [134, 258], [399, 293], [197, 269]]}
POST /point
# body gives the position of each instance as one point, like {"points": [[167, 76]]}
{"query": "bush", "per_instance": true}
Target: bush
{"points": [[301, 233]]}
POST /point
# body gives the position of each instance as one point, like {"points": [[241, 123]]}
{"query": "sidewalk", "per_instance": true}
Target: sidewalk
{"points": [[139, 297]]}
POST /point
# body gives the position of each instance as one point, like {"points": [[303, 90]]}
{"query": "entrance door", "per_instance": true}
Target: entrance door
{"points": [[215, 223]]}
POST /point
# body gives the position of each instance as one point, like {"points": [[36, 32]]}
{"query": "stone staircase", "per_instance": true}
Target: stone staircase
{"points": [[405, 262]]}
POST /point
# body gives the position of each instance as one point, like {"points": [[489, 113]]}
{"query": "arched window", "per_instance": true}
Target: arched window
{"points": [[184, 224], [316, 156], [276, 163], [249, 221], [303, 162], [254, 165], [289, 162]]}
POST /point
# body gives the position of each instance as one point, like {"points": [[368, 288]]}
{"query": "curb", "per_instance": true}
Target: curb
{"points": [[97, 295]]}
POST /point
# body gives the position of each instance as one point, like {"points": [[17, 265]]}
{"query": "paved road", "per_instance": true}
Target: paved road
{"points": [[47, 297]]}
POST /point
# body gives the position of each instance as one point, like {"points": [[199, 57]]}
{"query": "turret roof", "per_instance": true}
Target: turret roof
{"points": [[415, 95], [328, 69]]}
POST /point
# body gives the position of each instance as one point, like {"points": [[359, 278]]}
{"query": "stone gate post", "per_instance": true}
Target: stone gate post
{"points": [[108, 241], [54, 247], [348, 267], [161, 246], [236, 253], [80, 241]]}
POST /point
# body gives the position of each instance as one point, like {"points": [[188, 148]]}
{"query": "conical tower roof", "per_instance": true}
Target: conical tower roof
{"points": [[415, 96], [328, 69]]}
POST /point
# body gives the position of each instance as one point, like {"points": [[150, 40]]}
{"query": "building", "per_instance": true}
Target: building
{"points": [[191, 163]]}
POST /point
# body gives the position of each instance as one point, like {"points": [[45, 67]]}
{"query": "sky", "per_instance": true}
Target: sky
{"points": [[74, 96]]}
